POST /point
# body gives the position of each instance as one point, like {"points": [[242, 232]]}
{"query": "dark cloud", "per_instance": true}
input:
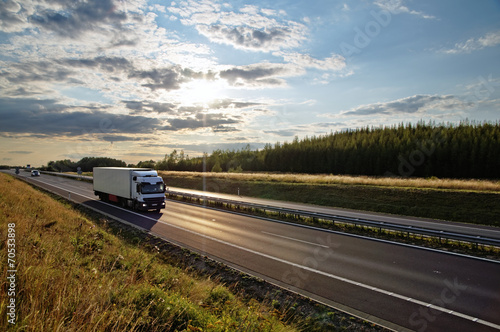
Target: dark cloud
{"points": [[161, 78], [138, 107], [282, 132], [225, 129], [49, 118], [67, 70], [260, 74], [150, 107], [214, 121], [78, 16], [107, 64], [42, 71], [409, 105], [119, 138], [230, 103], [21, 152], [246, 37], [10, 20]]}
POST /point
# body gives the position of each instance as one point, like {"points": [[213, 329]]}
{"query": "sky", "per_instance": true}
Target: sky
{"points": [[136, 79]]}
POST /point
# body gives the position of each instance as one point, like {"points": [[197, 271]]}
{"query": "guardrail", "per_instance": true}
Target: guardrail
{"points": [[348, 220], [73, 176], [329, 217]]}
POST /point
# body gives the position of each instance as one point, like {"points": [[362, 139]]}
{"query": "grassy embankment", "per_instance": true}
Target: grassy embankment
{"points": [[73, 275], [470, 201]]}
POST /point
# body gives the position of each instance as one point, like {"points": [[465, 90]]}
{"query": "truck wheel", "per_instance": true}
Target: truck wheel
{"points": [[158, 210]]}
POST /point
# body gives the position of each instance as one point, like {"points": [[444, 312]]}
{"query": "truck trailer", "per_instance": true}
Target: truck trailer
{"points": [[136, 188]]}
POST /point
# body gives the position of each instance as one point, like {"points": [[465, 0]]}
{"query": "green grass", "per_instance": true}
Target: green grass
{"points": [[461, 205], [72, 274], [329, 179]]}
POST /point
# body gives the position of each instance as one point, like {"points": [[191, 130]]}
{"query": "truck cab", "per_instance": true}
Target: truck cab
{"points": [[148, 190]]}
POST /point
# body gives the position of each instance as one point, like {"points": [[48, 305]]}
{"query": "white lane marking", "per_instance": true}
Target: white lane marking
{"points": [[326, 274], [293, 239]]}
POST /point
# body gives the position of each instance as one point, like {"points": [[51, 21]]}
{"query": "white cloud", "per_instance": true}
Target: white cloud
{"points": [[490, 39], [397, 7], [335, 62], [250, 28]]}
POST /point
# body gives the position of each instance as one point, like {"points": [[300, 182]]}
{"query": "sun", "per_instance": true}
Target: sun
{"points": [[201, 92]]}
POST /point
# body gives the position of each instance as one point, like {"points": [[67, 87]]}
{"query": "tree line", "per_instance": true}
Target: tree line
{"points": [[85, 164], [465, 150]]}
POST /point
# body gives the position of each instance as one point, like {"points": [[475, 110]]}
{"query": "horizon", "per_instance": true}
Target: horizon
{"points": [[135, 80]]}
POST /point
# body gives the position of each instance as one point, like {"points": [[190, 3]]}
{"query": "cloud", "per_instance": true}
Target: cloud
{"points": [[335, 62], [78, 16], [119, 138], [281, 132], [246, 37], [250, 29], [42, 71], [106, 64], [11, 17], [47, 118], [217, 122], [260, 75], [151, 107], [161, 78], [20, 152], [101, 70], [397, 7], [490, 39], [417, 104], [50, 118], [230, 103], [143, 107]]}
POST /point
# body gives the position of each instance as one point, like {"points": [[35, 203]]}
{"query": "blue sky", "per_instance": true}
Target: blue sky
{"points": [[134, 80]]}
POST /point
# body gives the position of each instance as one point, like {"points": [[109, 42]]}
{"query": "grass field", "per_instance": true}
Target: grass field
{"points": [[469, 201], [321, 179], [73, 275]]}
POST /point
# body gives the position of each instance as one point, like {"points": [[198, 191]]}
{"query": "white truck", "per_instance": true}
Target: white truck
{"points": [[136, 188]]}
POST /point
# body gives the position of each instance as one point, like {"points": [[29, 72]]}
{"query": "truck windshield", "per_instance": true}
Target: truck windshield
{"points": [[148, 188]]}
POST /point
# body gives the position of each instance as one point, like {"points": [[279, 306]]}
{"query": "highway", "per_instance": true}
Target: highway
{"points": [[398, 286], [441, 225]]}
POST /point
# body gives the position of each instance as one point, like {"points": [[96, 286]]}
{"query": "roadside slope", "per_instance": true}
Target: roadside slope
{"points": [[74, 275]]}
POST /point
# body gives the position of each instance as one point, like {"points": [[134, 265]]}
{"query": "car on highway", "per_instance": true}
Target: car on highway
{"points": [[35, 173]]}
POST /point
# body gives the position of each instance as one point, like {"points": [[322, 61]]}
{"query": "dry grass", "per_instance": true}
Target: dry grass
{"points": [[431, 183], [75, 276]]}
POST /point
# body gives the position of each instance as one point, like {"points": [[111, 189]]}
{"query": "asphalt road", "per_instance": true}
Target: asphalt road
{"points": [[398, 286], [442, 225]]}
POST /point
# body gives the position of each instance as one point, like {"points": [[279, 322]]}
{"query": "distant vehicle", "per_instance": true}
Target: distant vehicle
{"points": [[136, 188], [35, 173]]}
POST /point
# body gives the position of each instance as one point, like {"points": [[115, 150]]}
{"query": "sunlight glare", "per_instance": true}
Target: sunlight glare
{"points": [[202, 92]]}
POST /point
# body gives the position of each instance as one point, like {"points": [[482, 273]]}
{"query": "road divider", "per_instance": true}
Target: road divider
{"points": [[242, 206]]}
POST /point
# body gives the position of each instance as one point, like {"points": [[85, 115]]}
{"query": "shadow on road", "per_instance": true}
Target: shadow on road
{"points": [[142, 219]]}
